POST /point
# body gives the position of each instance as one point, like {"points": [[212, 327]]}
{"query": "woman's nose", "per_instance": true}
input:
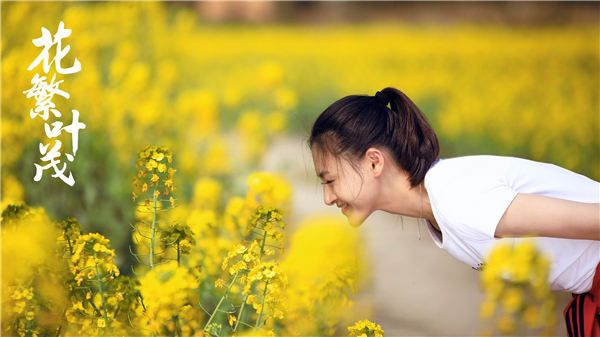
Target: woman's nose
{"points": [[328, 196]]}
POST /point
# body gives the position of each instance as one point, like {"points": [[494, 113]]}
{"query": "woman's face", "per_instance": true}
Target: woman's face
{"points": [[344, 187]]}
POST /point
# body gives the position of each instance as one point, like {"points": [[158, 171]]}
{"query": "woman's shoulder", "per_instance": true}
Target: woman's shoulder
{"points": [[450, 169], [473, 166], [475, 177], [482, 160], [471, 192]]}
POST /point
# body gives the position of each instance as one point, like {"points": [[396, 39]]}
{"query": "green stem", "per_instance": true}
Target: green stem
{"points": [[262, 249], [28, 326], [239, 317], [153, 230], [262, 245], [178, 254], [58, 330], [70, 246], [262, 306], [101, 292], [177, 325], [212, 316]]}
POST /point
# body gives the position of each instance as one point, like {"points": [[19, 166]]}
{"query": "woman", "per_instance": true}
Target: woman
{"points": [[380, 153]]}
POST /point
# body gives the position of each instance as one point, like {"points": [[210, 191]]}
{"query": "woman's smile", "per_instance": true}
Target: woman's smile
{"points": [[344, 208]]}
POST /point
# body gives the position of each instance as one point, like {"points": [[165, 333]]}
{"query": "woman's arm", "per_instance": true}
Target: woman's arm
{"points": [[536, 215]]}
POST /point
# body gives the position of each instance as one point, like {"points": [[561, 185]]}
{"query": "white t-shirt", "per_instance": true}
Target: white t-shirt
{"points": [[470, 194]]}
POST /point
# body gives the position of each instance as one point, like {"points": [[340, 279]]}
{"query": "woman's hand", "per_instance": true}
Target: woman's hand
{"points": [[537, 215]]}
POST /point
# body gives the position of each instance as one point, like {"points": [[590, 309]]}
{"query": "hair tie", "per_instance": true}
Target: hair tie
{"points": [[381, 97]]}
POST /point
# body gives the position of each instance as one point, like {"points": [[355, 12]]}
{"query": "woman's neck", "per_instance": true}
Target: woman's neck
{"points": [[397, 197]]}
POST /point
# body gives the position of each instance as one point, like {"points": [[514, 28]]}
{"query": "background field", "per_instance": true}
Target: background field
{"points": [[233, 93]]}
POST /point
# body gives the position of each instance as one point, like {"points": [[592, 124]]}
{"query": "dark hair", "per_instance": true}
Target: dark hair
{"points": [[354, 123]]}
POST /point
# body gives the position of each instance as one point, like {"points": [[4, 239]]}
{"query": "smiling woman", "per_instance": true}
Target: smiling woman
{"points": [[372, 152], [344, 135]]}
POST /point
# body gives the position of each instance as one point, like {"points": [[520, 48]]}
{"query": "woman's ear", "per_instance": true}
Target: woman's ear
{"points": [[376, 159]]}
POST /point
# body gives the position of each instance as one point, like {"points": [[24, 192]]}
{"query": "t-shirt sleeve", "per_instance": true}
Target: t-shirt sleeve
{"points": [[477, 204], [489, 209]]}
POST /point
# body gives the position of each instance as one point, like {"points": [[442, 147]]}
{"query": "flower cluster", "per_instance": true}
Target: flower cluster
{"points": [[24, 309], [267, 222], [365, 328], [269, 190], [180, 237], [243, 258], [94, 298], [93, 260], [169, 293], [207, 193], [33, 294], [154, 180], [70, 232], [256, 268], [516, 287], [154, 174], [264, 289], [13, 213], [325, 268]]}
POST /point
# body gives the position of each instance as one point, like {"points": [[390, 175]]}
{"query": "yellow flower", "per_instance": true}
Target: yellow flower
{"points": [[275, 122], [151, 164], [112, 301], [19, 307], [532, 317], [506, 324], [270, 74], [231, 320], [512, 299], [28, 293], [269, 272], [30, 315], [285, 98], [17, 294], [207, 192], [101, 323], [98, 300], [365, 328], [511, 272], [487, 308], [219, 283], [158, 156], [269, 190]]}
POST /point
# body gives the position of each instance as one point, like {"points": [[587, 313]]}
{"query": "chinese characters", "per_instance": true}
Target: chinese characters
{"points": [[43, 90]]}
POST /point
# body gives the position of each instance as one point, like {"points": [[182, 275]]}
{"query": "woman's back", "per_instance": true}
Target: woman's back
{"points": [[470, 194]]}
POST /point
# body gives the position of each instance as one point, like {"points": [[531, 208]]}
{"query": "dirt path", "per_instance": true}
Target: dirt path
{"points": [[418, 289]]}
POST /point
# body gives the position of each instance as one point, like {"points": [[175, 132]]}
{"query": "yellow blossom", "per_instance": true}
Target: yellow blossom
{"points": [[219, 283], [231, 320]]}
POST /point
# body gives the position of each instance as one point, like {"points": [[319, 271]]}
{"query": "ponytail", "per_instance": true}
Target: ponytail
{"points": [[355, 123]]}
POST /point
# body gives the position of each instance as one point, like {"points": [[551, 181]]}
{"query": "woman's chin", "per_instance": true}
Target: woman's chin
{"points": [[354, 219]]}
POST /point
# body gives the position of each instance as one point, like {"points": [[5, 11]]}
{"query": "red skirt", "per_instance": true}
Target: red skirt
{"points": [[582, 314]]}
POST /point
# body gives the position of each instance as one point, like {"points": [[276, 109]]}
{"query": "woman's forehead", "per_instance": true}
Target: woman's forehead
{"points": [[327, 163]]}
